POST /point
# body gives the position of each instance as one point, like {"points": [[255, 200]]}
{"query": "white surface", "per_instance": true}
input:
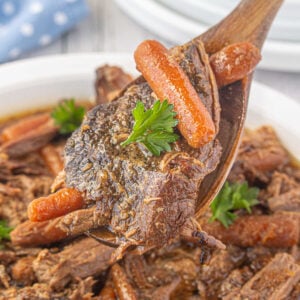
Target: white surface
{"points": [[40, 82], [277, 55], [286, 25], [109, 29], [290, 8]]}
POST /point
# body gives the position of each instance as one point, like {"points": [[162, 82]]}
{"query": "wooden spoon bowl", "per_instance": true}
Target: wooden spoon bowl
{"points": [[250, 21]]}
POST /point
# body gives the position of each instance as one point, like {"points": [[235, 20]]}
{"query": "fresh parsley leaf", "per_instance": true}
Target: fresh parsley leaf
{"points": [[68, 116], [4, 231], [233, 197], [153, 127]]}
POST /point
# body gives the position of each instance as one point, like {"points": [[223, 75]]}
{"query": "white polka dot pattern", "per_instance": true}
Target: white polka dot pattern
{"points": [[60, 18], [45, 40], [8, 8], [36, 8], [28, 24], [27, 29], [15, 52]]}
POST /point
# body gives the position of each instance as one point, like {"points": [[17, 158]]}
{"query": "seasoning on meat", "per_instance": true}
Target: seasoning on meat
{"points": [[148, 199]]}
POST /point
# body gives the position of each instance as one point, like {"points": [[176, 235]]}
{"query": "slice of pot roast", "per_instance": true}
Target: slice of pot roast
{"points": [[149, 200]]}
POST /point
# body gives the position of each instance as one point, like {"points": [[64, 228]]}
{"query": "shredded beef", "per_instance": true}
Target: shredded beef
{"points": [[22, 271], [80, 267], [260, 154], [275, 281], [82, 259], [13, 207], [289, 201]]}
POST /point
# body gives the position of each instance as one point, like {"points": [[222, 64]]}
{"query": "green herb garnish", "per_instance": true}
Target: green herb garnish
{"points": [[68, 116], [154, 127], [233, 197], [4, 231]]}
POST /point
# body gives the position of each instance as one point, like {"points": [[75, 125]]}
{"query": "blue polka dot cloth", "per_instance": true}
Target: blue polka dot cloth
{"points": [[28, 24]]}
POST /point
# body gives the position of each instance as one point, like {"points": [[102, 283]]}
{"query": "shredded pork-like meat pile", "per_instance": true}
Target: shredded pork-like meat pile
{"points": [[262, 259]]}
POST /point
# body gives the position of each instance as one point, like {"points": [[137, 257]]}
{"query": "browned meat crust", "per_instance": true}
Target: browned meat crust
{"points": [[110, 81], [147, 199]]}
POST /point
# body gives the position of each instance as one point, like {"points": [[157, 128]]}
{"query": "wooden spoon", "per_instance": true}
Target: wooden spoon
{"points": [[249, 21]]}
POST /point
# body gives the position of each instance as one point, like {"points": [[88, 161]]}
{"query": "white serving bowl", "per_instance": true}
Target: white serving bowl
{"points": [[40, 82], [286, 26]]}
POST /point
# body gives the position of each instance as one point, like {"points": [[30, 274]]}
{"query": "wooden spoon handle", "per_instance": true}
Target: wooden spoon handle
{"points": [[249, 21]]}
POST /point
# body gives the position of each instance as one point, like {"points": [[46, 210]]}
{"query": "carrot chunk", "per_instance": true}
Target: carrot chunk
{"points": [[278, 231], [58, 204], [234, 62], [168, 81]]}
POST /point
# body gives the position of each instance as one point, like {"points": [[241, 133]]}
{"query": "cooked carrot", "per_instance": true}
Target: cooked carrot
{"points": [[234, 62], [23, 126], [58, 204], [168, 81], [52, 159], [278, 231]]}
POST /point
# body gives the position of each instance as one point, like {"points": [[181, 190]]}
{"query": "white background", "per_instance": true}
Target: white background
{"points": [[108, 29]]}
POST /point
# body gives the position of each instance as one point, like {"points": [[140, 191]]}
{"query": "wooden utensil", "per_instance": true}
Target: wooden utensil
{"points": [[249, 21]]}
